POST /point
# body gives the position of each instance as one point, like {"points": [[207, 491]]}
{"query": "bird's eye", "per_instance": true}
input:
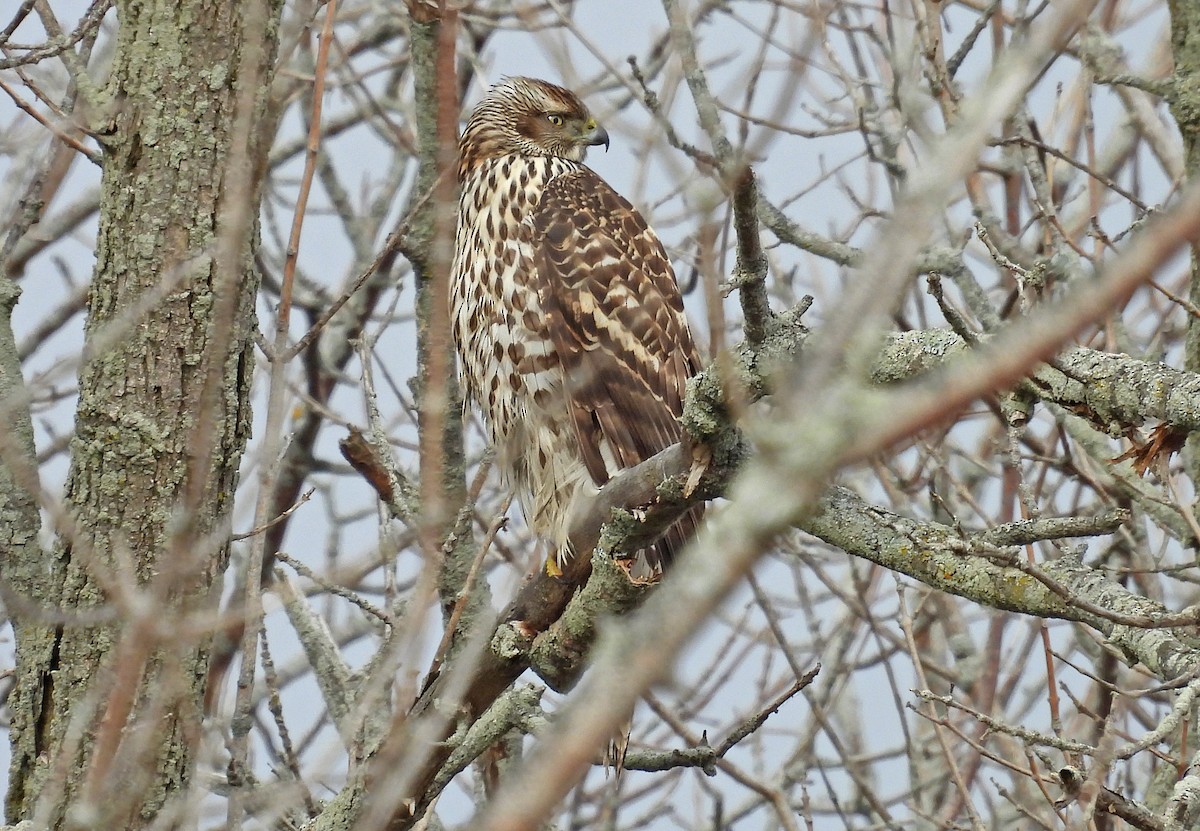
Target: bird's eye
{"points": [[556, 120]]}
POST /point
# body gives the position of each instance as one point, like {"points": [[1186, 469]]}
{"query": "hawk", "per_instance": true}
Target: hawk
{"points": [[567, 319]]}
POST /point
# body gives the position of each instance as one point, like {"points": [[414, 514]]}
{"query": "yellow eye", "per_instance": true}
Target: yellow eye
{"points": [[556, 120]]}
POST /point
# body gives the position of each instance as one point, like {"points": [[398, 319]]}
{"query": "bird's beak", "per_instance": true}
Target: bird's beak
{"points": [[595, 134]]}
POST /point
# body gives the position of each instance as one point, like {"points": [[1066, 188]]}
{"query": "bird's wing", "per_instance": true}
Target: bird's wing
{"points": [[615, 316]]}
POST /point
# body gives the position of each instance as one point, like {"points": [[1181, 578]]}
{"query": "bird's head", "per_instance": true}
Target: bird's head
{"points": [[533, 117]]}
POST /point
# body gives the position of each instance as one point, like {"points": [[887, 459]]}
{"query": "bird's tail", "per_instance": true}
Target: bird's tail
{"points": [[660, 555]]}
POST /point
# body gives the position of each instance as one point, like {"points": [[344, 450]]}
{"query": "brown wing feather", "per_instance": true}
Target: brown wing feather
{"points": [[616, 318]]}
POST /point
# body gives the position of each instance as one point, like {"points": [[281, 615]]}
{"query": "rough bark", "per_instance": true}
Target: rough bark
{"points": [[22, 563], [1184, 100], [112, 649]]}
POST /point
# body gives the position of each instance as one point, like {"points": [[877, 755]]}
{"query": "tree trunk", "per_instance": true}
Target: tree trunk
{"points": [[112, 647], [1185, 106]]}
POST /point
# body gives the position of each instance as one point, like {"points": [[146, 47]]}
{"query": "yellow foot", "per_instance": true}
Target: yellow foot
{"points": [[552, 566]]}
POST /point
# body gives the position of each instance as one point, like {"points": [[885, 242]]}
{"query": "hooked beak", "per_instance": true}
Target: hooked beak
{"points": [[595, 135]]}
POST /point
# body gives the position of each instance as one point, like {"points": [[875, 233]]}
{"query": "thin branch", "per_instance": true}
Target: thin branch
{"points": [[1029, 737], [705, 756], [304, 497], [56, 45], [1026, 531], [750, 272], [62, 135]]}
